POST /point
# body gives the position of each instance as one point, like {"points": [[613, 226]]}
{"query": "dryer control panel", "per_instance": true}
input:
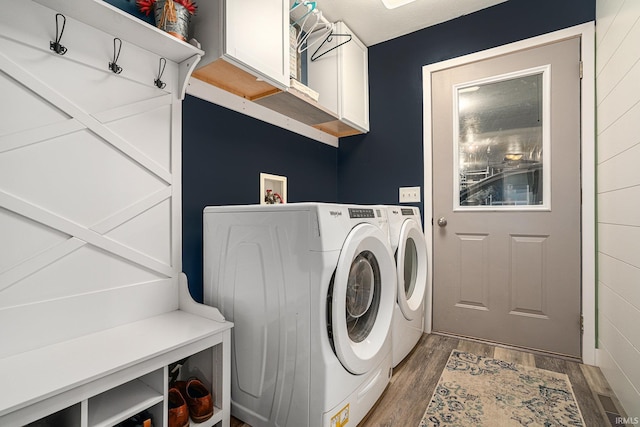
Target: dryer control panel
{"points": [[361, 213]]}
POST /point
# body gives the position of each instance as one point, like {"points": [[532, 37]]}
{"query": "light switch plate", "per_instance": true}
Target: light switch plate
{"points": [[409, 194]]}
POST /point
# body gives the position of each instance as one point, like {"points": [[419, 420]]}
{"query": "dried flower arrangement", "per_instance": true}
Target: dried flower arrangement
{"points": [[168, 16], [146, 6]]}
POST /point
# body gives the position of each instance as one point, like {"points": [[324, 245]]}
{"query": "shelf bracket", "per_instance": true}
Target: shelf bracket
{"points": [[186, 68]]}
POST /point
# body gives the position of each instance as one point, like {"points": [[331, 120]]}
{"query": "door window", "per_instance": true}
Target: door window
{"points": [[501, 142], [362, 298]]}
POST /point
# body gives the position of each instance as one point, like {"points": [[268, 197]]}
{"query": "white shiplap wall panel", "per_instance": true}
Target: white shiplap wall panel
{"points": [[620, 241], [621, 99], [621, 25], [622, 61], [620, 171], [89, 159], [620, 207], [623, 134], [627, 358], [614, 374], [621, 278], [608, 10], [618, 112], [622, 314]]}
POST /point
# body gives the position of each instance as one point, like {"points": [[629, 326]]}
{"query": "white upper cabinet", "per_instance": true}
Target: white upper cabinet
{"points": [[245, 44], [256, 33], [338, 70], [247, 53]]}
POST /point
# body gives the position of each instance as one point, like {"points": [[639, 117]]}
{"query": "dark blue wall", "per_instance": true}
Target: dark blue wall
{"points": [[371, 167], [223, 153]]}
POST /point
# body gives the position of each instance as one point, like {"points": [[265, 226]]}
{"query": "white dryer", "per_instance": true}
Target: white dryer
{"points": [[310, 289], [410, 249]]}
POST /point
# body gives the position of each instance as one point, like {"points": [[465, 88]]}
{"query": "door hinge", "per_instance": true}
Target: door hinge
{"points": [[582, 324], [581, 69]]}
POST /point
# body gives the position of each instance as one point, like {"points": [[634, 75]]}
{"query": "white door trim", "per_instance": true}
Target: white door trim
{"points": [[587, 162]]}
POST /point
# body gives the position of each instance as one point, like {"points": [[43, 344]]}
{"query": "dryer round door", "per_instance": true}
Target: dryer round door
{"points": [[362, 299], [411, 261]]}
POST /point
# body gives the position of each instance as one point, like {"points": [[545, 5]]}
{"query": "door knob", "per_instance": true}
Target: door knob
{"points": [[442, 221]]}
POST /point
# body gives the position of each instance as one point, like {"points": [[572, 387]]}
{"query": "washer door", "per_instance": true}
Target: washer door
{"points": [[362, 299], [411, 260]]}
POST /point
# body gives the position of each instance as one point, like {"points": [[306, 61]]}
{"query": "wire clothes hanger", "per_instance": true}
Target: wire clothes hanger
{"points": [[320, 25], [311, 6], [309, 28], [328, 39], [305, 31]]}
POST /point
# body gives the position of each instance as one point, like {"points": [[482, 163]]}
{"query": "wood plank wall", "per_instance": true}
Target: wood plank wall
{"points": [[618, 141]]}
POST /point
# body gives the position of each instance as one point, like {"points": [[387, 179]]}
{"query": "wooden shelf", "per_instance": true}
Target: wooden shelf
{"points": [[338, 128], [227, 76], [111, 20], [291, 103]]}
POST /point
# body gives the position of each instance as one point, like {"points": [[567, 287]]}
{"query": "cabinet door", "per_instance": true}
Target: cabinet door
{"points": [[353, 105], [341, 76], [257, 32]]}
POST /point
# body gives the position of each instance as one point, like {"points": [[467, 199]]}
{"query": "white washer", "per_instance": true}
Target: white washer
{"points": [[310, 288], [409, 246]]}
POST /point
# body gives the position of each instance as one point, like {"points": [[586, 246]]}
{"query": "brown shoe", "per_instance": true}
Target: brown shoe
{"points": [[178, 410], [198, 399]]}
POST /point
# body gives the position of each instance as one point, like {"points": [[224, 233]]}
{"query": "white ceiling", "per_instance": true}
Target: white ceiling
{"points": [[373, 23]]}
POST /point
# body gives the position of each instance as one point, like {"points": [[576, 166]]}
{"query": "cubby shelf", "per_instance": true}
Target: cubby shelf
{"points": [[124, 375], [121, 403]]}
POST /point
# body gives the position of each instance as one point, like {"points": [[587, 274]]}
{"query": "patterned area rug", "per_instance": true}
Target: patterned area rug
{"points": [[480, 391]]}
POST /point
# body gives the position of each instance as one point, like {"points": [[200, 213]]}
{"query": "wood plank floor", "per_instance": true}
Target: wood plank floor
{"points": [[414, 380]]}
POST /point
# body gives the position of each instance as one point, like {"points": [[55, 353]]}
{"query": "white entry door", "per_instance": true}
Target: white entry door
{"points": [[506, 199]]}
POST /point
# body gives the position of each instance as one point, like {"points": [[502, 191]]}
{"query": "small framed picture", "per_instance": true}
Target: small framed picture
{"points": [[273, 189]]}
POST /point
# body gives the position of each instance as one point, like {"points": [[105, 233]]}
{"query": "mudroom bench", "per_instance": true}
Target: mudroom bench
{"points": [[104, 378], [94, 308]]}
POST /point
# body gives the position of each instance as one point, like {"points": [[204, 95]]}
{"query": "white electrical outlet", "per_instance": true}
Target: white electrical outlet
{"points": [[409, 194]]}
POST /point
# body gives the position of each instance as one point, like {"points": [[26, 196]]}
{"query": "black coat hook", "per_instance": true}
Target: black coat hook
{"points": [[161, 65], [113, 66], [55, 45]]}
